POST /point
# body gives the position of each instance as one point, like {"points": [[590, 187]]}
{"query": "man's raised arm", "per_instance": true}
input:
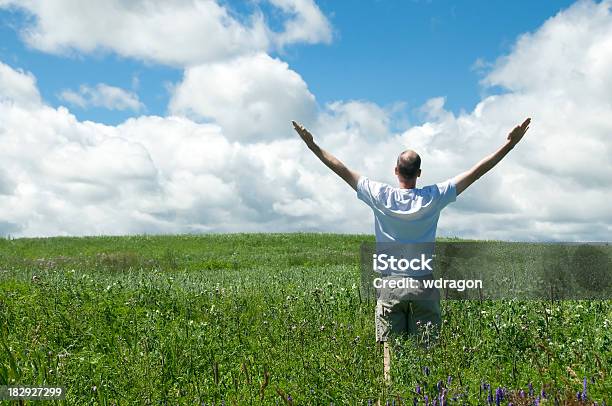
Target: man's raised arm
{"points": [[465, 179], [328, 159]]}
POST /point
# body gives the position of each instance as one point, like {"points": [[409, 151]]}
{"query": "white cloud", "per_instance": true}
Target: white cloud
{"points": [[18, 87], [171, 174], [309, 24], [175, 32], [7, 186], [102, 95], [251, 97]]}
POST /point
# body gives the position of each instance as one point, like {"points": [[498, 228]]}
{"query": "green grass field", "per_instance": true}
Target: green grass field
{"points": [[273, 319]]}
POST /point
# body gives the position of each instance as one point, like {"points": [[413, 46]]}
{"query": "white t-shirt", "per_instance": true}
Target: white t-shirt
{"points": [[406, 215]]}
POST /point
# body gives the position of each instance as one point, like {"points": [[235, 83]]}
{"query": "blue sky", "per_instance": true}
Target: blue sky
{"points": [[384, 51], [210, 147]]}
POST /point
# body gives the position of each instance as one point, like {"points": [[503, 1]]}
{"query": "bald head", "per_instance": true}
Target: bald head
{"points": [[408, 164]]}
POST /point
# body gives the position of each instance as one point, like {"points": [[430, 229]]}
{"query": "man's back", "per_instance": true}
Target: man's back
{"points": [[405, 215]]}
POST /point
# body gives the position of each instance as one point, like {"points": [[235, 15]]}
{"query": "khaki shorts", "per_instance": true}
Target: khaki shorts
{"points": [[399, 310]]}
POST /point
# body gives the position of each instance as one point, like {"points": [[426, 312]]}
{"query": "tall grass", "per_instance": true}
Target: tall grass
{"points": [[250, 319]]}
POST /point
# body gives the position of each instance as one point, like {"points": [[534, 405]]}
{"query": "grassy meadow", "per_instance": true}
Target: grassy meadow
{"points": [[271, 319]]}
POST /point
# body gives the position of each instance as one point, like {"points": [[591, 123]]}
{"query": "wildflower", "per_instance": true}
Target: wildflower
{"points": [[584, 389], [443, 398], [498, 396], [537, 401], [426, 371], [439, 386], [426, 400], [415, 402], [530, 389], [449, 380], [418, 389], [543, 394], [522, 393], [578, 396]]}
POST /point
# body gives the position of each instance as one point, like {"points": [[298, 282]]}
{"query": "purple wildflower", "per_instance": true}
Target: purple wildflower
{"points": [[415, 402], [439, 386], [584, 389], [426, 400], [537, 401], [426, 371], [530, 389], [418, 389], [449, 380], [490, 396], [543, 394], [578, 396], [522, 393], [498, 396]]}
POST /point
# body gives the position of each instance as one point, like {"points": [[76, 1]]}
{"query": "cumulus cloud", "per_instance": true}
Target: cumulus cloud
{"points": [[18, 87], [175, 32], [197, 171], [251, 97], [102, 95], [309, 24]]}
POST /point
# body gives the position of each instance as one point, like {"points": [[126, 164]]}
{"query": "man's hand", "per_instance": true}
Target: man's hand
{"points": [[517, 133], [304, 133], [328, 159], [465, 179]]}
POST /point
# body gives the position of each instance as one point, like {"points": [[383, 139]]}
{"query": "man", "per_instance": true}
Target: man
{"points": [[409, 215]]}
